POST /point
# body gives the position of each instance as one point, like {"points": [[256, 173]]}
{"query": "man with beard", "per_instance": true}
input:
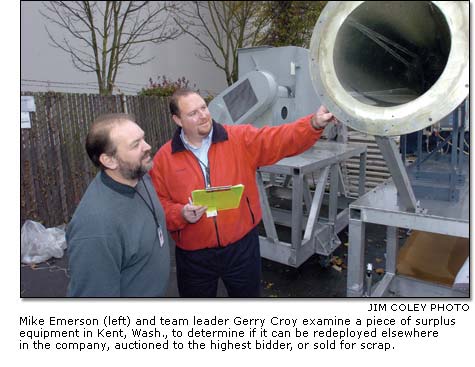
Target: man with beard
{"points": [[201, 154], [117, 238]]}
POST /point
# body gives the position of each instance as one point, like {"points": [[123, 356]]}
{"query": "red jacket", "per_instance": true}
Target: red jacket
{"points": [[233, 158]]}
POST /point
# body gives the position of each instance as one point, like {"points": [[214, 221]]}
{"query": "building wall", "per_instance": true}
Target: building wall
{"points": [[40, 61]]}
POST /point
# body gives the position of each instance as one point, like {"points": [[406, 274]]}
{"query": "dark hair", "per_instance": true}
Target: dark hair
{"points": [[174, 110], [98, 137]]}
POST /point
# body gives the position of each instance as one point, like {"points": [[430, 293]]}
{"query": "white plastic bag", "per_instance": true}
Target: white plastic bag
{"points": [[39, 244]]}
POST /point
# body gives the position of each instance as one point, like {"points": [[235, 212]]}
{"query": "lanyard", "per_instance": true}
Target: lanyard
{"points": [[206, 168], [207, 177], [151, 208]]}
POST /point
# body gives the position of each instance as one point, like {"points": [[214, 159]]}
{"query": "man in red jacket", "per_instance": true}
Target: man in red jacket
{"points": [[201, 154]]}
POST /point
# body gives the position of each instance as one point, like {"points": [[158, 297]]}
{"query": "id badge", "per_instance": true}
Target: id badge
{"points": [[161, 239], [211, 213]]}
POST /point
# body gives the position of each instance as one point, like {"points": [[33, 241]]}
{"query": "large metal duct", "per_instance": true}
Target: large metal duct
{"points": [[391, 67]]}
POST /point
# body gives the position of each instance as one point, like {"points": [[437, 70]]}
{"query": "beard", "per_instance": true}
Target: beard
{"points": [[132, 171]]}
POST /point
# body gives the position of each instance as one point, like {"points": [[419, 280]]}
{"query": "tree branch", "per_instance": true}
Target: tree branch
{"points": [[112, 32]]}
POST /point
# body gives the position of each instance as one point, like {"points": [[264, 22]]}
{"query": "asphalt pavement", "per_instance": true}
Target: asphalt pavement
{"points": [[313, 279]]}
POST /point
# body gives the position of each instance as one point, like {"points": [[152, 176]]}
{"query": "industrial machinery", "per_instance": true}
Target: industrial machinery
{"points": [[385, 68], [389, 69], [274, 88]]}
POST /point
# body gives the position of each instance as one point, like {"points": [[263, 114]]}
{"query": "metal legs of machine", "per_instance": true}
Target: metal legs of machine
{"points": [[310, 234]]}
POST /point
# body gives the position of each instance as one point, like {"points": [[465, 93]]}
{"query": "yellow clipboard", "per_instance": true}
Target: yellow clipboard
{"points": [[218, 197]]}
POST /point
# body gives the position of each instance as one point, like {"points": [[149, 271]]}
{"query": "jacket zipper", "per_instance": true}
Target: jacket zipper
{"points": [[204, 179], [217, 232], [252, 214]]}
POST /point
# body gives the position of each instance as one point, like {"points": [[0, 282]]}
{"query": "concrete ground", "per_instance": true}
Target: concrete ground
{"points": [[310, 280]]}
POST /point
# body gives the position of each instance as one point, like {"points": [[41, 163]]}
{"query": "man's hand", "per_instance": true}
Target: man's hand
{"points": [[193, 213], [322, 118]]}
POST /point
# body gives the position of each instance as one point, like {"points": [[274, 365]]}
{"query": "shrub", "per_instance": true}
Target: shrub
{"points": [[165, 87]]}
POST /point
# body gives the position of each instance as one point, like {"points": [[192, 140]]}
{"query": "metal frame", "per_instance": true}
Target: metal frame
{"points": [[394, 204], [320, 236], [382, 206], [439, 176], [398, 172]]}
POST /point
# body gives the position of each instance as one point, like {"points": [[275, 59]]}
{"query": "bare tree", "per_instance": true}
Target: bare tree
{"points": [[102, 36], [221, 28]]}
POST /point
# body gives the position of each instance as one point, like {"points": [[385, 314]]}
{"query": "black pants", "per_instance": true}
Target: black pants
{"points": [[238, 265]]}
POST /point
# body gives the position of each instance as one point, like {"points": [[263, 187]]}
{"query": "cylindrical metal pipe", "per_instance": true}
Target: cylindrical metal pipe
{"points": [[391, 67]]}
